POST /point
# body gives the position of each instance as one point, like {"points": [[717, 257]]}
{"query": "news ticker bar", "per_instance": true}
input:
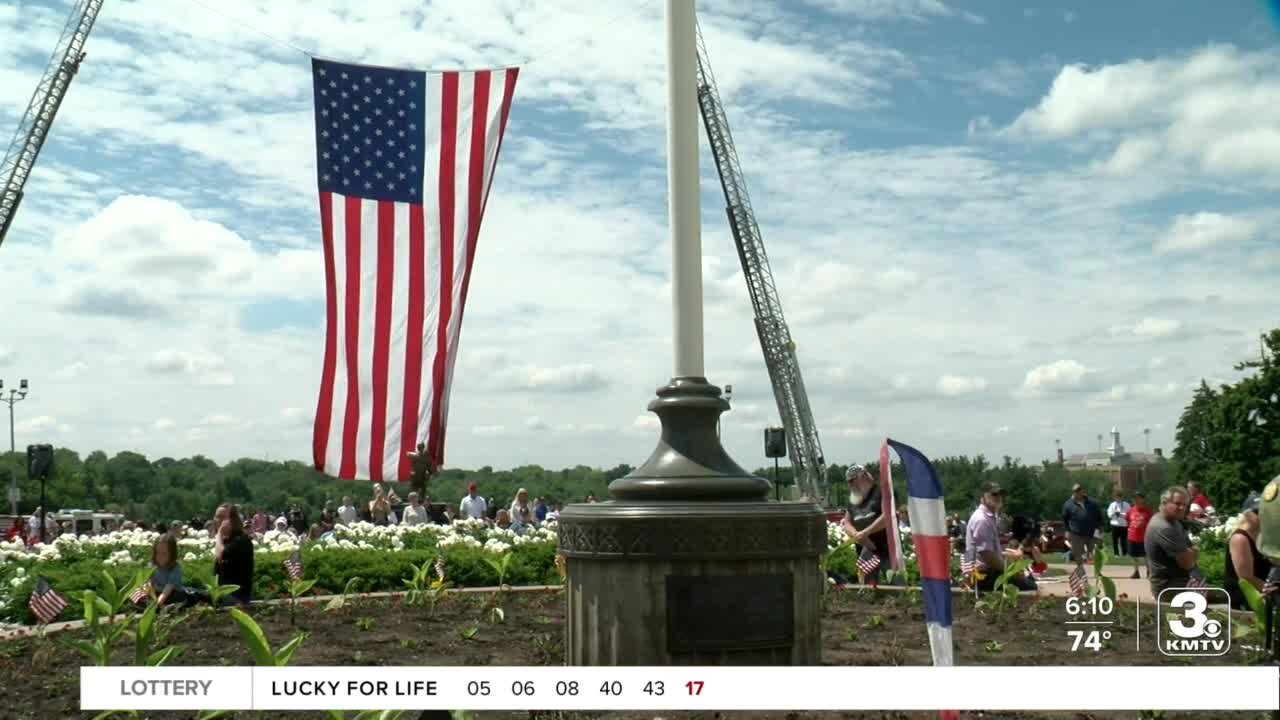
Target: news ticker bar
{"points": [[679, 688]]}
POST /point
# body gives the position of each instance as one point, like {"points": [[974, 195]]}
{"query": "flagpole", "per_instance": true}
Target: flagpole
{"points": [[683, 196]]}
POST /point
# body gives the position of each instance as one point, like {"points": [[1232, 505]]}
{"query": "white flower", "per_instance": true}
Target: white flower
{"points": [[189, 557]]}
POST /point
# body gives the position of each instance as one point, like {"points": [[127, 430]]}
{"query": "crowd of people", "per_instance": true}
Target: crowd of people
{"points": [[1155, 539]]}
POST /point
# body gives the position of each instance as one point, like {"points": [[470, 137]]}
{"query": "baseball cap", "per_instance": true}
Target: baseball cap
{"points": [[854, 471], [472, 486], [992, 488], [1077, 487]]}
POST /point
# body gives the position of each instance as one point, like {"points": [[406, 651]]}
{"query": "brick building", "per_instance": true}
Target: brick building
{"points": [[1127, 470]]}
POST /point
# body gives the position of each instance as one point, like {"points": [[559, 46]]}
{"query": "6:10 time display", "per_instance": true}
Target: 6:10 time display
{"points": [[1096, 605]]}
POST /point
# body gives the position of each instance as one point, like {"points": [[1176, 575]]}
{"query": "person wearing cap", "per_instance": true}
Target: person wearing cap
{"points": [[1170, 555], [983, 548], [1083, 521], [864, 520], [1245, 563], [1138, 517], [472, 506]]}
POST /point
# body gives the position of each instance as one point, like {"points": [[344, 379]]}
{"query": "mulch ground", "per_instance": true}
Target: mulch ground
{"points": [[41, 676]]}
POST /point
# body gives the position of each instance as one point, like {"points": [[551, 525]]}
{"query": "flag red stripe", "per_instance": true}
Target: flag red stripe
{"points": [[475, 200], [887, 510], [382, 334], [933, 554], [448, 157], [324, 407], [413, 337], [347, 467]]}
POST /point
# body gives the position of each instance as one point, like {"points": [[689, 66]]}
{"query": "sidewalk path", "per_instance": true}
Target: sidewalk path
{"points": [[1121, 574]]}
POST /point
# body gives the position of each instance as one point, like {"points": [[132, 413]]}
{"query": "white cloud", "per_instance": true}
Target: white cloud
{"points": [[217, 420], [7, 357], [1137, 393], [1055, 377], [1210, 110], [163, 424], [957, 385], [36, 425], [1205, 230], [488, 430], [1148, 329], [536, 423], [1002, 430]]}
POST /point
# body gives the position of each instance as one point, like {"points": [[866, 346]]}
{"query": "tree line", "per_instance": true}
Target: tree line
{"points": [[1228, 439]]}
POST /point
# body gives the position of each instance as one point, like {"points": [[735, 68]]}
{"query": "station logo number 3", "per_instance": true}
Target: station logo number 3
{"points": [[1187, 628]]}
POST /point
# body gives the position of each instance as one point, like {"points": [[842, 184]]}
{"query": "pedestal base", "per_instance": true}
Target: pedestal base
{"points": [[705, 583]]}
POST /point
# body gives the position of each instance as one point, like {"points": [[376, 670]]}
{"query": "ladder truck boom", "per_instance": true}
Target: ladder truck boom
{"points": [[803, 445], [36, 121]]}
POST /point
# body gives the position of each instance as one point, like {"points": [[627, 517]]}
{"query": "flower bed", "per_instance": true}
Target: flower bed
{"points": [[381, 557]]}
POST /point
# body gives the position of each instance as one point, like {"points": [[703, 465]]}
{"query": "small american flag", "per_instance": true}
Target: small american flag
{"points": [[868, 562], [46, 603], [142, 593], [440, 568], [1079, 580], [967, 567], [293, 566]]}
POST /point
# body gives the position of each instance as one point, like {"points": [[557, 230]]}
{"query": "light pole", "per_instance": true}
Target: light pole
{"points": [[15, 397], [728, 397]]}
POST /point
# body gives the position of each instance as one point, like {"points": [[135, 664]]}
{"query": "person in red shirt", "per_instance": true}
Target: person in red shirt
{"points": [[1200, 504], [1138, 517], [18, 531]]}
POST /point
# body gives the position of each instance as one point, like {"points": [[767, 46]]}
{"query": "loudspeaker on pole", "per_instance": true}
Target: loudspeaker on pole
{"points": [[775, 442]]}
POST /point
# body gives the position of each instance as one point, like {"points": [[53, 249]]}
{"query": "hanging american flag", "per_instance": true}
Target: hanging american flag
{"points": [[45, 603], [1079, 581], [405, 160], [927, 513], [293, 566], [868, 562], [967, 566]]}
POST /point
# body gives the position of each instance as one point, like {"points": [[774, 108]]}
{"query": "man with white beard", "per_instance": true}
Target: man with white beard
{"points": [[864, 523]]}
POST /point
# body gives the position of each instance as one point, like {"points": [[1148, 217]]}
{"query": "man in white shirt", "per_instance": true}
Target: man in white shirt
{"points": [[1118, 514], [346, 513], [415, 513], [472, 506]]}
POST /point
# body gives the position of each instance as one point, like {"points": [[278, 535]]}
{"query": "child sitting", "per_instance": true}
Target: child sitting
{"points": [[166, 580]]}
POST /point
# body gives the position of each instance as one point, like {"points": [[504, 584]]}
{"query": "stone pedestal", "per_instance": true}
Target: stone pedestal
{"points": [[689, 564], [712, 583]]}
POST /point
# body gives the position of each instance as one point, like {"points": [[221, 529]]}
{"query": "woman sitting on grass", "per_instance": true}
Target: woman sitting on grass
{"points": [[166, 580]]}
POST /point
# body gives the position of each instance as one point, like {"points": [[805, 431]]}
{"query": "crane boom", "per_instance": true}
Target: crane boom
{"points": [[36, 121], [803, 445]]}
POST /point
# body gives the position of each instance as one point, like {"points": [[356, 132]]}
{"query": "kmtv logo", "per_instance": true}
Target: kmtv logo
{"points": [[1187, 628]]}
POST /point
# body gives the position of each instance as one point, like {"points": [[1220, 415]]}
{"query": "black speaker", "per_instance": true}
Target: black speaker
{"points": [[775, 442], [39, 461]]}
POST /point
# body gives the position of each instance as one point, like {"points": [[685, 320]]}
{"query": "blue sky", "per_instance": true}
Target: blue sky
{"points": [[992, 225]]}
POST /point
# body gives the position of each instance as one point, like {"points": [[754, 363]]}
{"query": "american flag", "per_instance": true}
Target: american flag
{"points": [[967, 566], [868, 562], [293, 566], [440, 568], [1079, 580], [142, 592], [46, 604], [927, 513], [405, 160]]}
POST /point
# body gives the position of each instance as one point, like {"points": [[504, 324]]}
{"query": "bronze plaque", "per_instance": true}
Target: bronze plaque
{"points": [[719, 613]]}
